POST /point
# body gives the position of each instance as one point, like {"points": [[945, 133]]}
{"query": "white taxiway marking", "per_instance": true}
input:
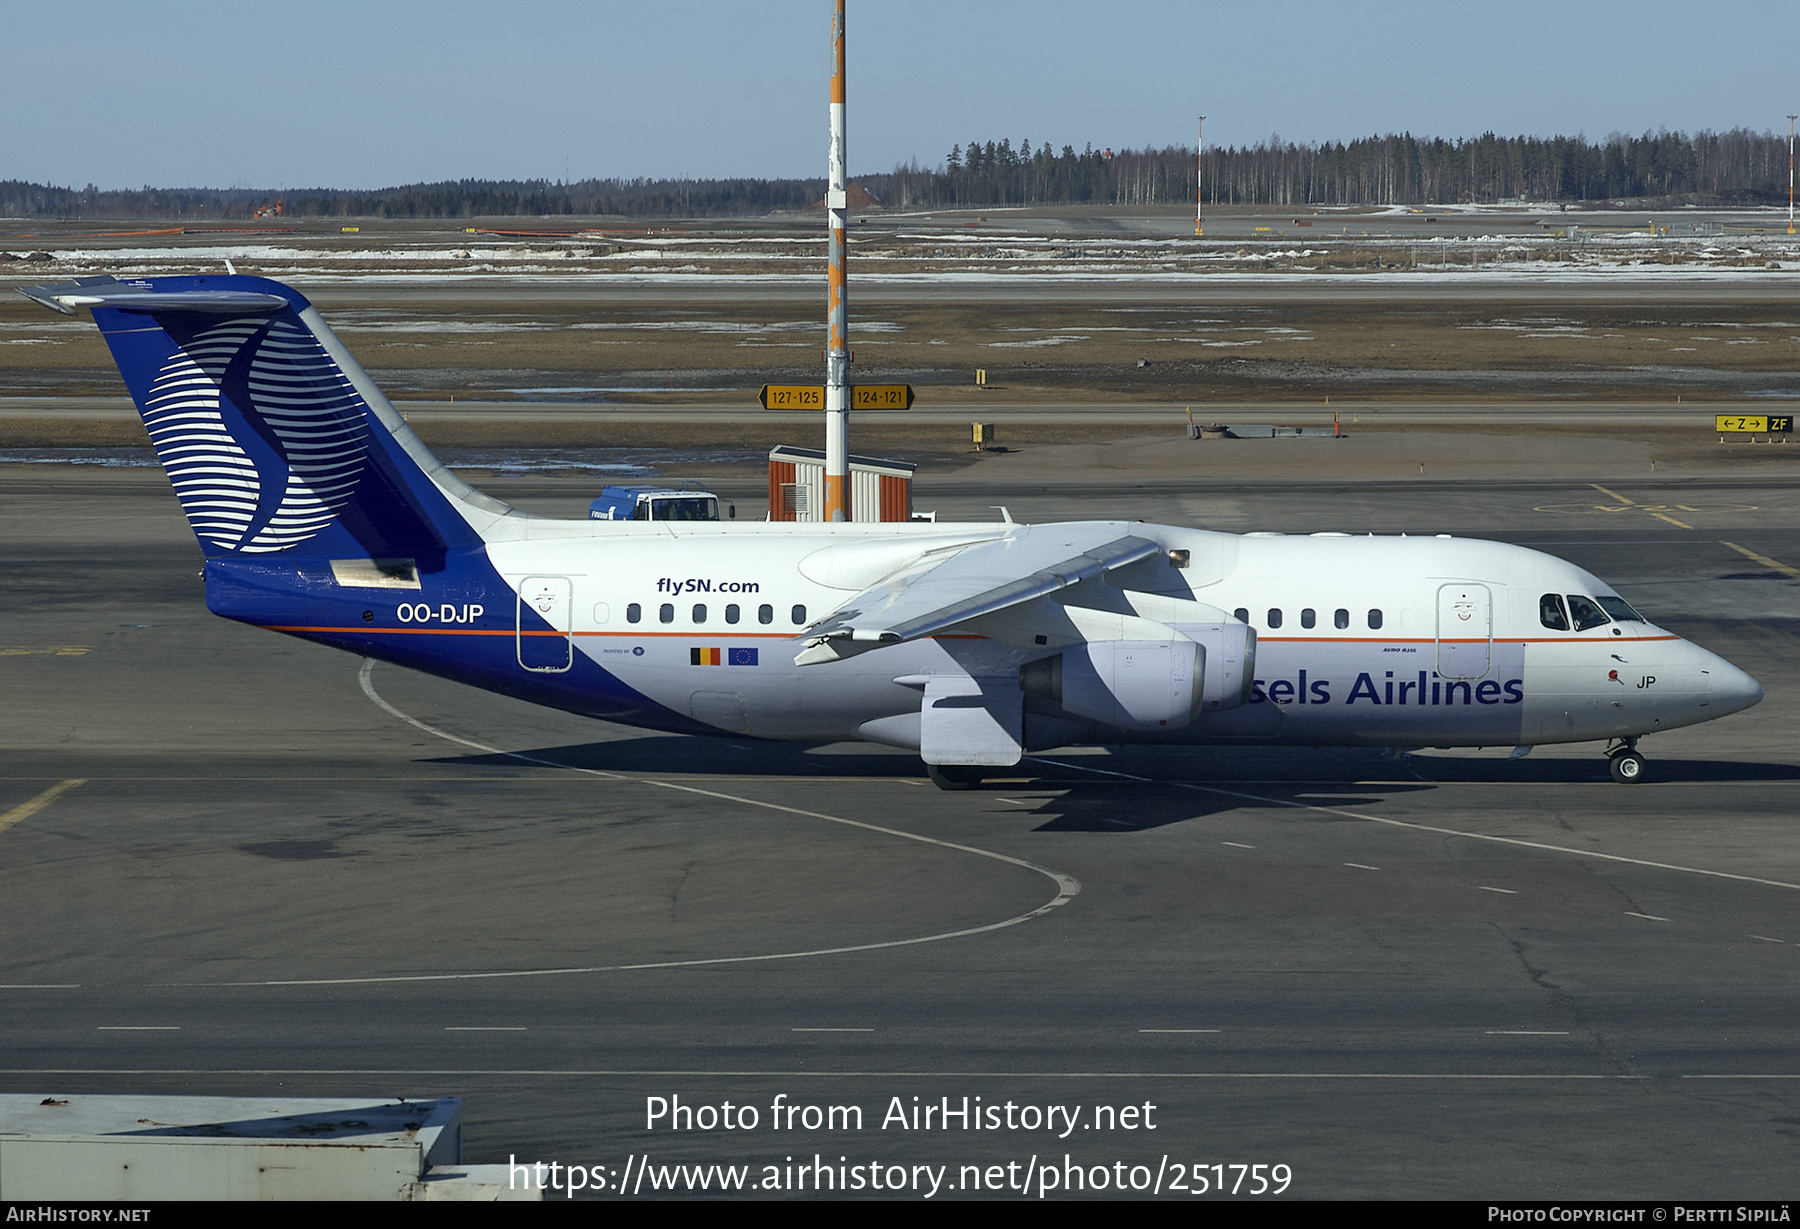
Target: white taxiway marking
{"points": [[831, 1030], [1648, 917], [1506, 891], [484, 1028], [1359, 866], [1235, 845], [1067, 886], [1178, 1030], [1528, 1032], [1406, 823], [138, 1028], [74, 985], [1766, 939]]}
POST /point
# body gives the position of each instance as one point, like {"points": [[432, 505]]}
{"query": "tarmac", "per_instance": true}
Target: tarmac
{"points": [[237, 864]]}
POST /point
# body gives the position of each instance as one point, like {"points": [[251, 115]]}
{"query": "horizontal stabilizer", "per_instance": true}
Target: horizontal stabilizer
{"points": [[944, 590], [140, 297]]}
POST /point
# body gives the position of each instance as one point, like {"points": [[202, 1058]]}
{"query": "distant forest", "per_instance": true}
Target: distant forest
{"points": [[1736, 167], [467, 198]]}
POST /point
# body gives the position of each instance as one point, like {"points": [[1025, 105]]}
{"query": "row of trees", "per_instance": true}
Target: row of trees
{"points": [[468, 198], [1729, 167], [990, 174], [1735, 166]]}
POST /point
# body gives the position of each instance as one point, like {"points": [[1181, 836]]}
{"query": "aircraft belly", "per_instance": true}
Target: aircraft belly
{"points": [[737, 693]]}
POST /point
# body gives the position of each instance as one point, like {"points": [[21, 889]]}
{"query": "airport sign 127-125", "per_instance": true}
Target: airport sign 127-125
{"points": [[812, 397]]}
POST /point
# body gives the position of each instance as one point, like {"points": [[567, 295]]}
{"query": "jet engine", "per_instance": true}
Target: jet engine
{"points": [[1148, 684]]}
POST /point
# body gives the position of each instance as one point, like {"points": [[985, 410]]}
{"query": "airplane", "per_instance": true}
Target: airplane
{"points": [[322, 515]]}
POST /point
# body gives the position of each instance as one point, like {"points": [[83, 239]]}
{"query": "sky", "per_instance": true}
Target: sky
{"points": [[201, 93]]}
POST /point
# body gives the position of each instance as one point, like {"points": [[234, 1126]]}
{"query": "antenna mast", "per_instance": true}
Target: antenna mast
{"points": [[837, 352]]}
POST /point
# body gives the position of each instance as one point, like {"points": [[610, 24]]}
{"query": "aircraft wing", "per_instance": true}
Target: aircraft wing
{"points": [[943, 590]]}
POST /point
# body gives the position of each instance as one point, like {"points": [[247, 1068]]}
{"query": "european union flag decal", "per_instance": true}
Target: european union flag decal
{"points": [[740, 657]]}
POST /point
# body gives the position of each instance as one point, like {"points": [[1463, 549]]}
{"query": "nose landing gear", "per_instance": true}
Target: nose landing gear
{"points": [[1626, 764]]}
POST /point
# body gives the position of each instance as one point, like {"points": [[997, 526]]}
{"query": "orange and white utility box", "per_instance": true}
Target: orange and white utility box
{"points": [[879, 490]]}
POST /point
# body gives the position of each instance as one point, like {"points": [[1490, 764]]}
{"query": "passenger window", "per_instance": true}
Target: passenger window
{"points": [[1308, 617], [1274, 617], [1241, 614], [666, 612], [1341, 619], [765, 613], [633, 613], [1551, 613], [699, 612], [731, 613], [799, 613], [1586, 613], [1374, 620]]}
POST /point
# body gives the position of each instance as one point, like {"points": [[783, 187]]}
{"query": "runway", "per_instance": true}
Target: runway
{"points": [[1442, 975]]}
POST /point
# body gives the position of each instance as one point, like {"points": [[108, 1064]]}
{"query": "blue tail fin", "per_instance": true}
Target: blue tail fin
{"points": [[320, 513], [275, 440]]}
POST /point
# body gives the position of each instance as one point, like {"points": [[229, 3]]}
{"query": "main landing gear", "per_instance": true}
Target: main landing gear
{"points": [[1627, 765], [954, 776]]}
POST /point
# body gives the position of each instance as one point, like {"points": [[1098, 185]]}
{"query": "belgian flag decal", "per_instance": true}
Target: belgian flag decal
{"points": [[721, 657]]}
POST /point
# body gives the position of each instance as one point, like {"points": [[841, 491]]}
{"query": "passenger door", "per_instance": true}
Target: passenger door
{"points": [[551, 600], [1465, 631]]}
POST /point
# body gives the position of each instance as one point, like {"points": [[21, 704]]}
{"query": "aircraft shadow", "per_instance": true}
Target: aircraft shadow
{"points": [[1089, 806], [683, 755], [1131, 789]]}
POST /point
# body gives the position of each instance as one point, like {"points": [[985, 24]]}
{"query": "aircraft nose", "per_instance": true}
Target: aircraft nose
{"points": [[1732, 689]]}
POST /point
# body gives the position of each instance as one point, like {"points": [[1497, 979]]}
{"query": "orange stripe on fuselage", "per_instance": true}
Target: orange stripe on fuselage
{"points": [[1261, 639]]}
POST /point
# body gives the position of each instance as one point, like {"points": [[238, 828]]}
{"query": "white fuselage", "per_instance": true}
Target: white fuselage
{"points": [[1359, 640]]}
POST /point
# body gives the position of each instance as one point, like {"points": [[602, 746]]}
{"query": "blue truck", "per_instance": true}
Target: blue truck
{"points": [[649, 503]]}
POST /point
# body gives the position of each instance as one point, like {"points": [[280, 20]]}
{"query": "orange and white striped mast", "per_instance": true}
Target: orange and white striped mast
{"points": [[837, 350], [1200, 178]]}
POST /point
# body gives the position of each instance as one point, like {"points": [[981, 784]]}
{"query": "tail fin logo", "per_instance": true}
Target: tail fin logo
{"points": [[263, 437]]}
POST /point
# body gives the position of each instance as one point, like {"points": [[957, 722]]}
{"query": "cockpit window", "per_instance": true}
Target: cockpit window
{"points": [[1620, 610], [1586, 613], [1551, 613]]}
